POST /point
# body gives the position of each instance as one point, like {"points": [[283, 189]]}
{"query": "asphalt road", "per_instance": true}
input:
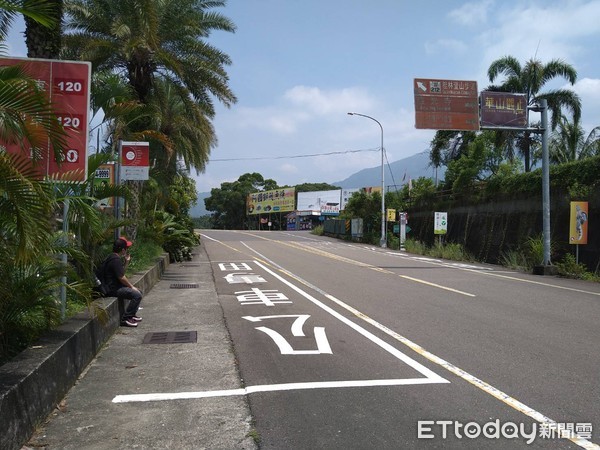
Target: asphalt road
{"points": [[344, 345]]}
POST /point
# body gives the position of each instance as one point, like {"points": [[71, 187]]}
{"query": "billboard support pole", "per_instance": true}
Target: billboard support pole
{"points": [[118, 200]]}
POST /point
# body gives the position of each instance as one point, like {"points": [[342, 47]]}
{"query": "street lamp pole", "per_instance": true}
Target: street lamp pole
{"points": [[383, 240]]}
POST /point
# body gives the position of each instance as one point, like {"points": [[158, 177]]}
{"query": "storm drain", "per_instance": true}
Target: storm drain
{"points": [[184, 286], [171, 337]]}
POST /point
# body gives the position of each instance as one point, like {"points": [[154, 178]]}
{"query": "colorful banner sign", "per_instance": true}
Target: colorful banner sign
{"points": [[277, 200], [578, 228]]}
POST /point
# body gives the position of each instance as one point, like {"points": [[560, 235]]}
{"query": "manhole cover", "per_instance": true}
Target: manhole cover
{"points": [[184, 286], [171, 337]]}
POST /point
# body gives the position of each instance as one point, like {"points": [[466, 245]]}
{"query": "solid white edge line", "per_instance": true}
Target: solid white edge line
{"points": [[270, 388]]}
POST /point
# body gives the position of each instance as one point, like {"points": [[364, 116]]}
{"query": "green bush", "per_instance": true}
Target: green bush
{"points": [[513, 259], [318, 230], [569, 268], [417, 247]]}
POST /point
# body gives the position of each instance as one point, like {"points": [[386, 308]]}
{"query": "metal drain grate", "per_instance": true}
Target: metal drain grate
{"points": [[184, 286], [171, 337]]}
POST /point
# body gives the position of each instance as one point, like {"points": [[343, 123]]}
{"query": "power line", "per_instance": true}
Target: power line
{"points": [[295, 156]]}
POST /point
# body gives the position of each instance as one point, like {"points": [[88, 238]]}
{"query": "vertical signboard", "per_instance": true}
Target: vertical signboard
{"points": [[135, 161], [67, 85], [104, 176], [440, 225], [578, 228], [503, 109], [446, 104]]}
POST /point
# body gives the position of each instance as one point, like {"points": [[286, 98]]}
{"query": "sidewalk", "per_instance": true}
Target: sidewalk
{"points": [[88, 419]]}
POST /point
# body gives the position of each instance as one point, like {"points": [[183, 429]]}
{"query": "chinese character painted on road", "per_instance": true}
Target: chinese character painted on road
{"points": [[246, 278], [234, 266], [266, 297], [285, 348]]}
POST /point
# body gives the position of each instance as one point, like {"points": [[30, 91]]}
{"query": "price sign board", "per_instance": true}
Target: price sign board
{"points": [[67, 85], [446, 104]]}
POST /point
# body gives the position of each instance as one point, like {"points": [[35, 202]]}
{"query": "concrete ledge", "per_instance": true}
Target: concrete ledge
{"points": [[545, 270], [36, 380]]}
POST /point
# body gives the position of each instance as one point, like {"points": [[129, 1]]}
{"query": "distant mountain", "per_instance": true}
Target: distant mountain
{"points": [[414, 167], [199, 210]]}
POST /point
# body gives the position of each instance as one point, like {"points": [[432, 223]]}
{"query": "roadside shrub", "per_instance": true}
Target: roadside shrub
{"points": [[318, 230], [569, 268], [513, 260], [414, 246]]}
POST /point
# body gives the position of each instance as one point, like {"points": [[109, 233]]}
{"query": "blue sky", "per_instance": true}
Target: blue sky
{"points": [[300, 65]]}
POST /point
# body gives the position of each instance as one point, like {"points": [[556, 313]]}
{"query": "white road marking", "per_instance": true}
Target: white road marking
{"points": [[436, 285], [269, 388], [482, 385]]}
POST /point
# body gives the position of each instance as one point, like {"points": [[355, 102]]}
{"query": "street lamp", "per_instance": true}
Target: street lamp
{"points": [[383, 240]]}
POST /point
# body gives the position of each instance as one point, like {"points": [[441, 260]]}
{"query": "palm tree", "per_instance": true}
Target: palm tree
{"points": [[27, 119], [147, 42], [530, 79], [44, 40], [140, 39], [40, 11], [191, 134], [568, 142]]}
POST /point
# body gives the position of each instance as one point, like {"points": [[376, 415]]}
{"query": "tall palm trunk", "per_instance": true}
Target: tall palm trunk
{"points": [[133, 208], [43, 41]]}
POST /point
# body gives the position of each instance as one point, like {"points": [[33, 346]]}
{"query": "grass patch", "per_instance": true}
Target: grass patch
{"points": [[318, 230]]}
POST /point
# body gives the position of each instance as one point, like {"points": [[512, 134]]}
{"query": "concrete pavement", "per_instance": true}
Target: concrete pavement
{"points": [[183, 301]]}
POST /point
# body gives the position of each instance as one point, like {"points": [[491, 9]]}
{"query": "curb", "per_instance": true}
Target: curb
{"points": [[37, 379]]}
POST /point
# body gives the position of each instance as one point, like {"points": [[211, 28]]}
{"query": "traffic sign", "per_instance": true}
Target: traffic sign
{"points": [[503, 109], [67, 85], [446, 104]]}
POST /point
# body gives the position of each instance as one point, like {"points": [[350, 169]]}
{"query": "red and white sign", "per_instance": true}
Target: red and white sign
{"points": [[67, 84], [135, 160]]}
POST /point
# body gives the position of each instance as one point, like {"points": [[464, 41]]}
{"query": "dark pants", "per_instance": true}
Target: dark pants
{"points": [[134, 297]]}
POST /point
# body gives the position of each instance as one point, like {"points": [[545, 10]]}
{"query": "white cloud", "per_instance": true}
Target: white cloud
{"points": [[589, 91], [471, 13], [546, 33], [322, 102]]}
